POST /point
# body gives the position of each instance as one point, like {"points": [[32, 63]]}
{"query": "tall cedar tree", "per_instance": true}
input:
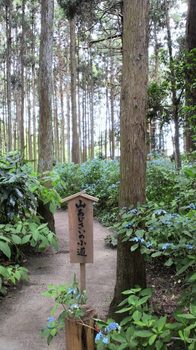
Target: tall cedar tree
{"points": [[70, 8], [45, 159], [8, 8], [45, 87], [130, 265], [75, 137], [191, 73]]}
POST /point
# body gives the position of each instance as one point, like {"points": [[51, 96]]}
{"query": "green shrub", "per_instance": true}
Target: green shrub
{"points": [[98, 178], [20, 225], [16, 199], [66, 179], [11, 275], [141, 329]]}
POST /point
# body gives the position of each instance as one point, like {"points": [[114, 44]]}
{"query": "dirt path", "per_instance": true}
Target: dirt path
{"points": [[24, 311]]}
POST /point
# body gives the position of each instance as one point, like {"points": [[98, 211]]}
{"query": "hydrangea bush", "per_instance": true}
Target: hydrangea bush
{"points": [[69, 302]]}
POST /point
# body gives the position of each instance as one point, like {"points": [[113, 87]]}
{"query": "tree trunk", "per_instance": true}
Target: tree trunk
{"points": [[45, 100], [175, 100], [29, 120], [22, 48], [191, 75], [75, 137], [112, 135], [130, 265], [56, 121], [68, 127], [45, 87], [62, 121], [84, 123], [33, 88], [91, 101], [8, 8]]}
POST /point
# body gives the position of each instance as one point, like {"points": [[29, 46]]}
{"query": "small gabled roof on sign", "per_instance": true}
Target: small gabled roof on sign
{"points": [[80, 194]]}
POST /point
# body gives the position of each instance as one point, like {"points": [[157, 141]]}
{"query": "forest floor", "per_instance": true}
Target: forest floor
{"points": [[24, 311]]}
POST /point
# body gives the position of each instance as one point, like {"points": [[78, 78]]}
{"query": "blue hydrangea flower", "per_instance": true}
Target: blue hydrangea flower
{"points": [[133, 211], [105, 340], [74, 306], [138, 239], [175, 215], [166, 246], [160, 212], [189, 246], [148, 244], [112, 327], [51, 319], [192, 206], [113, 186], [99, 336], [128, 226], [72, 291]]}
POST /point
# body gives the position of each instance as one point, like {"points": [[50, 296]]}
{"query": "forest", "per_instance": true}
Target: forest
{"points": [[99, 96]]}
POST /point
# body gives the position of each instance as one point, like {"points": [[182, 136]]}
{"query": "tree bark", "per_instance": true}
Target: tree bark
{"points": [[56, 121], [45, 100], [191, 75], [91, 100], [75, 137], [68, 126], [29, 120], [45, 87], [130, 265], [22, 49], [175, 100], [33, 88], [8, 8], [62, 121]]}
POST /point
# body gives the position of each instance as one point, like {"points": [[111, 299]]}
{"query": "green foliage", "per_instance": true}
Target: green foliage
{"points": [[142, 329], [158, 233], [66, 179], [23, 233], [100, 178], [20, 226], [11, 275], [72, 8], [177, 189], [97, 177], [71, 302], [20, 190], [157, 107], [16, 200]]}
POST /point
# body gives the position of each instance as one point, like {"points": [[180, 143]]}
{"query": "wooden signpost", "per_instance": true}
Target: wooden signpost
{"points": [[80, 212]]}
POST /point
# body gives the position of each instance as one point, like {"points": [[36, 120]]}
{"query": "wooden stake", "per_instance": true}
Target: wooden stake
{"points": [[79, 336], [82, 277]]}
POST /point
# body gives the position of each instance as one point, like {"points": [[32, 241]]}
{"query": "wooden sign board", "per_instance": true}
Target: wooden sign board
{"points": [[80, 212]]}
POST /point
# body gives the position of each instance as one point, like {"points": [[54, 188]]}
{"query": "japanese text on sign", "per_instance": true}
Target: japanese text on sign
{"points": [[81, 243]]}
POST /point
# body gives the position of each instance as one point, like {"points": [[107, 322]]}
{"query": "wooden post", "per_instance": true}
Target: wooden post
{"points": [[82, 277], [80, 334], [80, 212]]}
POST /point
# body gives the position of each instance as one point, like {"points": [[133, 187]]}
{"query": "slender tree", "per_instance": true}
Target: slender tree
{"points": [[22, 79], [75, 136], [130, 265], [45, 87], [191, 74], [45, 159], [8, 14], [175, 99]]}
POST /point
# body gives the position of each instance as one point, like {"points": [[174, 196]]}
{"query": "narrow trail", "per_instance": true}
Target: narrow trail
{"points": [[24, 311]]}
